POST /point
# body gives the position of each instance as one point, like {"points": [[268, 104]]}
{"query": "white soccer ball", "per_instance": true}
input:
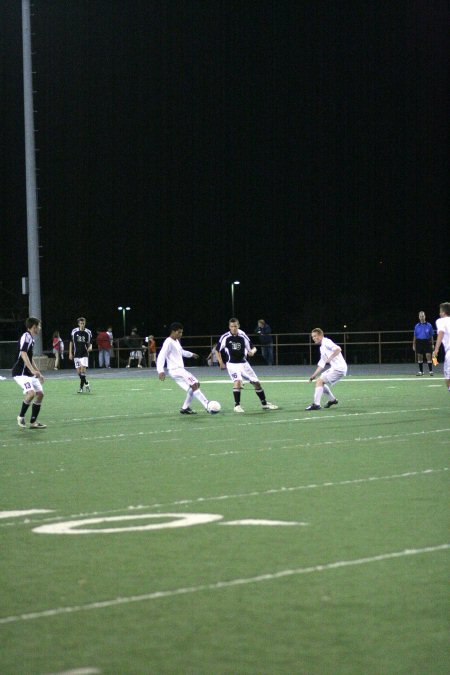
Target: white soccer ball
{"points": [[214, 407]]}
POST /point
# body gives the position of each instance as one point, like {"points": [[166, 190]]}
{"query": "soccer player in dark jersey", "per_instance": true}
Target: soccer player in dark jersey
{"points": [[79, 347], [234, 346], [28, 376]]}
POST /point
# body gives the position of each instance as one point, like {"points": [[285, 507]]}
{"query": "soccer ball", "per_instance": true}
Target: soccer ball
{"points": [[213, 407]]}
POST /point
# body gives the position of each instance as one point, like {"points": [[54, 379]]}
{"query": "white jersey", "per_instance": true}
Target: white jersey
{"points": [[326, 349], [444, 326], [171, 353]]}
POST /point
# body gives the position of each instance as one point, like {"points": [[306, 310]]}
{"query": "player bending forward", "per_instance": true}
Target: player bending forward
{"points": [[331, 354], [235, 346], [172, 354]]}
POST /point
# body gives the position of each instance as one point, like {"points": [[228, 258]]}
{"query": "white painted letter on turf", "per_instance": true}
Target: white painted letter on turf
{"points": [[76, 526]]}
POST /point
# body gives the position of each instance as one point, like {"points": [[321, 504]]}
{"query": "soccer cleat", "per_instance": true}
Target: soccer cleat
{"points": [[37, 425], [80, 390], [313, 406], [419, 374], [238, 409], [270, 406], [431, 373], [139, 366], [21, 422], [330, 403], [187, 411], [88, 389]]}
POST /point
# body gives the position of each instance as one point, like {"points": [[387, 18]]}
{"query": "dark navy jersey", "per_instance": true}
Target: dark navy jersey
{"points": [[234, 348], [81, 339], [26, 344]]}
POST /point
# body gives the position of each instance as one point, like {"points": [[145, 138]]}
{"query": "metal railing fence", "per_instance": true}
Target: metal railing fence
{"points": [[288, 348]]}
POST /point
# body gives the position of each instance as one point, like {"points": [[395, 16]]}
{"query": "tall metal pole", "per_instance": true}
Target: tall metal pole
{"points": [[34, 298]]}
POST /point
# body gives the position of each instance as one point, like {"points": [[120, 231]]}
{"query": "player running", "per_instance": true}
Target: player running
{"points": [[330, 354], [443, 337], [234, 346]]}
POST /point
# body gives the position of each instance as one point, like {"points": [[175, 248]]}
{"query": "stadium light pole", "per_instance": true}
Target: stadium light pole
{"points": [[123, 310], [233, 284]]}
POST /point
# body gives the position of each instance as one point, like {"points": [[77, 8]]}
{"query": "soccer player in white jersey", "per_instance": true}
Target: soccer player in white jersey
{"points": [[235, 346], [28, 376], [171, 354], [443, 337], [330, 354]]}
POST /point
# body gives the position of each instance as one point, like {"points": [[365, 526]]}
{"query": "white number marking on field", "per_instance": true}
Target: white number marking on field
{"points": [[179, 520]]}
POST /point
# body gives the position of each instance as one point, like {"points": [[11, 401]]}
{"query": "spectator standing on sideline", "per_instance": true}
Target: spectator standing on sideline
{"points": [[171, 354], [111, 340], [104, 348], [151, 350], [58, 348], [135, 342], [235, 346], [79, 347], [330, 354], [265, 337], [28, 376], [443, 337], [423, 343]]}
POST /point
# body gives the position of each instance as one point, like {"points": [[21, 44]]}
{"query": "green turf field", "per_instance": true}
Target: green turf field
{"points": [[325, 551]]}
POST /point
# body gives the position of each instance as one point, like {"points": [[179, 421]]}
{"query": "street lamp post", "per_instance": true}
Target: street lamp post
{"points": [[124, 309], [233, 284]]}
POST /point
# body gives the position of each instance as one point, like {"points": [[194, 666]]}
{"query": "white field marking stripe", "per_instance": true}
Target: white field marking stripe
{"points": [[347, 379], [18, 514], [79, 671], [307, 418], [219, 585], [361, 439], [319, 444], [201, 500]]}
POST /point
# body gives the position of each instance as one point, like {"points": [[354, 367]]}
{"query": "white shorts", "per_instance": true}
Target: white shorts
{"points": [[447, 365], [331, 376], [136, 355], [29, 384], [83, 362], [183, 378], [241, 371]]}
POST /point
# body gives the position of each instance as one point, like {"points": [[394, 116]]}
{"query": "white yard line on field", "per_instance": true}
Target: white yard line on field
{"points": [[262, 418], [221, 585], [240, 495]]}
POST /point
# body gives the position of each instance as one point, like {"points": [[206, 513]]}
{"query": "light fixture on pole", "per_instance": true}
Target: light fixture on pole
{"points": [[233, 284], [123, 310]]}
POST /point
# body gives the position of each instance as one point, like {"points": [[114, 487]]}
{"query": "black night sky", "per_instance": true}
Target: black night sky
{"points": [[298, 146]]}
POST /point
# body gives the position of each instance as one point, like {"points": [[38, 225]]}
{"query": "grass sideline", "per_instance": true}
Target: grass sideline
{"points": [[351, 579]]}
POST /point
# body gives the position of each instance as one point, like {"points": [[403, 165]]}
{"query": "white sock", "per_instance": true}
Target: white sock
{"points": [[199, 395], [188, 398], [318, 395], [327, 391]]}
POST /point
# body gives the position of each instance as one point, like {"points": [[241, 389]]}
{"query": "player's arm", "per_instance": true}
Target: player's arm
{"points": [[317, 372], [219, 359], [32, 367], [414, 342], [440, 335], [161, 361], [71, 350], [334, 353]]}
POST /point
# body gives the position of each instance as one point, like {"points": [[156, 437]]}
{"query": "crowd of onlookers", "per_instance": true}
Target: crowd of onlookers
{"points": [[134, 349]]}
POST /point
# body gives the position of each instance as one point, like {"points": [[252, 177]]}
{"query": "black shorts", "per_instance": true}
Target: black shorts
{"points": [[424, 347]]}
